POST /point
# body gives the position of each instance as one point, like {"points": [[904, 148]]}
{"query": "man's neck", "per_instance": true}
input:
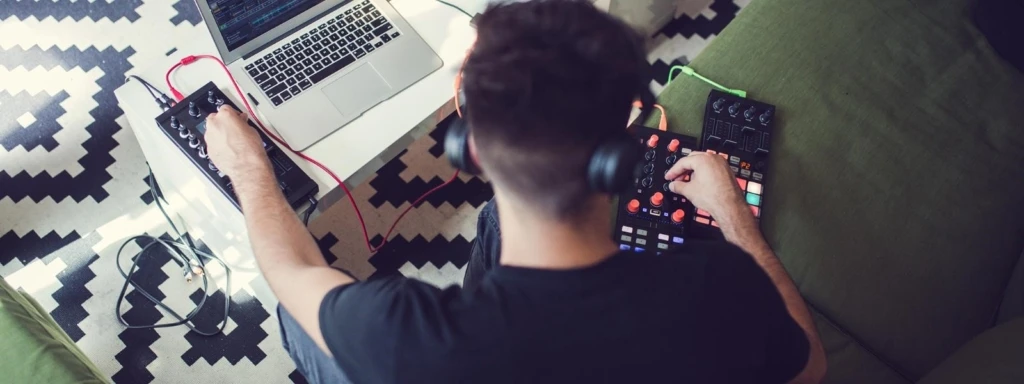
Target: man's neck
{"points": [[530, 240]]}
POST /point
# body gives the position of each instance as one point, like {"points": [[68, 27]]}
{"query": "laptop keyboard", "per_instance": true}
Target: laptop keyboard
{"points": [[317, 54]]}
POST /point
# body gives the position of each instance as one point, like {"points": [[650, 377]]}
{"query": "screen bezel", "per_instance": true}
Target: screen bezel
{"points": [[270, 37]]}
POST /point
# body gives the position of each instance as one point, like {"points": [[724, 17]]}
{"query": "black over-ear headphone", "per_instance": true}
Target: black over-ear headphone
{"points": [[613, 167]]}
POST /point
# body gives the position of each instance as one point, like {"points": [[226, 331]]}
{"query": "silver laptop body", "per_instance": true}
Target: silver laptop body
{"points": [[313, 66]]}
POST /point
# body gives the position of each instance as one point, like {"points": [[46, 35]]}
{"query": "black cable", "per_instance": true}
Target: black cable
{"points": [[163, 100], [191, 265], [456, 7], [309, 211]]}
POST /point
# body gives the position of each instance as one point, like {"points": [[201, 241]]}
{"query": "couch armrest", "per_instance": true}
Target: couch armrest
{"points": [[34, 348], [996, 356]]}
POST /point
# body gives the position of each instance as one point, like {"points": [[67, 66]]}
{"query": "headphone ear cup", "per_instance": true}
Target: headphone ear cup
{"points": [[456, 147], [614, 165]]}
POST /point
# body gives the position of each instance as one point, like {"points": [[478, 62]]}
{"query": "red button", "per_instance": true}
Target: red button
{"points": [[703, 212], [652, 141], [657, 198], [703, 220], [678, 215], [673, 145], [755, 210], [743, 184], [633, 206]]}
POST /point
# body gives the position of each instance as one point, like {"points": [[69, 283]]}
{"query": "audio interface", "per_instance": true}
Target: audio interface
{"points": [[185, 125], [650, 217], [739, 130]]}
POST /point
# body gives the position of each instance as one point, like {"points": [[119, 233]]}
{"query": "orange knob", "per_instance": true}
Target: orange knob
{"points": [[633, 206], [678, 215], [673, 145], [657, 198], [652, 141]]}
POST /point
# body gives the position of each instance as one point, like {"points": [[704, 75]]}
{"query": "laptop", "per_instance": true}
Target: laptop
{"points": [[312, 66]]}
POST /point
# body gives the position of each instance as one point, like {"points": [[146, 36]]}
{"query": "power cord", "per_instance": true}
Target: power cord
{"points": [[159, 97], [241, 95], [456, 7], [184, 253], [309, 211]]}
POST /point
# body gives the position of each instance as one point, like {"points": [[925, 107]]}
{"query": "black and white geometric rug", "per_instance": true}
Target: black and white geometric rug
{"points": [[73, 186]]}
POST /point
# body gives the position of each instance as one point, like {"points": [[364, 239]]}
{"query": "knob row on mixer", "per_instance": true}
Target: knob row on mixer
{"points": [[749, 113]]}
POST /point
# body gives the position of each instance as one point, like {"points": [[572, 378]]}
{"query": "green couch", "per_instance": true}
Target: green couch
{"points": [[33, 348], [896, 200]]}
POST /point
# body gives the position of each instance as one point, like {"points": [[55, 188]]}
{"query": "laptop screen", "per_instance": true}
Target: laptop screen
{"points": [[240, 21]]}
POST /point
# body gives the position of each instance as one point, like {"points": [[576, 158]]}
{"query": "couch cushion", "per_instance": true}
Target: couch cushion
{"points": [[896, 192], [34, 348], [848, 361], [996, 356]]}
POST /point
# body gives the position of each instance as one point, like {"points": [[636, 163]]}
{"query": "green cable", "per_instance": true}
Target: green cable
{"points": [[690, 72], [453, 6]]}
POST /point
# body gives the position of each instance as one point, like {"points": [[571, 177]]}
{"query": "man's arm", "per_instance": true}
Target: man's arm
{"points": [[712, 187], [287, 256]]}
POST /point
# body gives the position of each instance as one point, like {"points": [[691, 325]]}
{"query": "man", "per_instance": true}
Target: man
{"points": [[548, 297]]}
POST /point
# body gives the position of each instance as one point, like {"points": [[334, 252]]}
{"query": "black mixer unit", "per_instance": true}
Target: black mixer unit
{"points": [[739, 130], [650, 217], [185, 125]]}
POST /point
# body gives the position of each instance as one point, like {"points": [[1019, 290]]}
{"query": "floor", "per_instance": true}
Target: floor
{"points": [[74, 185]]}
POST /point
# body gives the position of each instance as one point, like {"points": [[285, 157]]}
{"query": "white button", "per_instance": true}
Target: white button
{"points": [[627, 229], [641, 242], [662, 246], [626, 238], [662, 237], [754, 187], [641, 232]]}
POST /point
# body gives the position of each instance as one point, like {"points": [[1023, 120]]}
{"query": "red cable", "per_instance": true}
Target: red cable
{"points": [[366, 237]]}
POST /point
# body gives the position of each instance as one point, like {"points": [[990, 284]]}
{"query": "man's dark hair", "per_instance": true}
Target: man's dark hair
{"points": [[546, 82]]}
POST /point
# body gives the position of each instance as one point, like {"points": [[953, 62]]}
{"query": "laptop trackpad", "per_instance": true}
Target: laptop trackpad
{"points": [[357, 91]]}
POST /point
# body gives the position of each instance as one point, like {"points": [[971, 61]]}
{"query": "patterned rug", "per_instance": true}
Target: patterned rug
{"points": [[74, 185]]}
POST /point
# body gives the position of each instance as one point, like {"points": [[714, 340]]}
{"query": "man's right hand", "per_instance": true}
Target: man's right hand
{"points": [[235, 147], [712, 185]]}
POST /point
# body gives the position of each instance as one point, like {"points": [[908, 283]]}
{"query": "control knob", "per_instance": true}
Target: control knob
{"points": [[657, 199], [673, 145], [678, 215], [652, 142], [193, 141], [734, 109], [749, 113], [193, 109], [183, 132], [650, 155], [766, 116], [213, 167], [212, 99], [201, 151], [718, 104], [633, 206], [174, 122]]}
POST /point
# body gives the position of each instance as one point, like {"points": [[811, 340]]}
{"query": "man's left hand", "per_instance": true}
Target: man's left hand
{"points": [[234, 147]]}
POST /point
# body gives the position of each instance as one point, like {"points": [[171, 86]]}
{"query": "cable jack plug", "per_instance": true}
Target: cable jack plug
{"points": [[187, 273], [197, 269]]}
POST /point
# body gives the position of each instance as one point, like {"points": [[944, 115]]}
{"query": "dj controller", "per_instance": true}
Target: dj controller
{"points": [[650, 218], [185, 125]]}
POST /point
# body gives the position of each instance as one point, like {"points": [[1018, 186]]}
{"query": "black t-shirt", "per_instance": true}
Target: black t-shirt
{"points": [[706, 314]]}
